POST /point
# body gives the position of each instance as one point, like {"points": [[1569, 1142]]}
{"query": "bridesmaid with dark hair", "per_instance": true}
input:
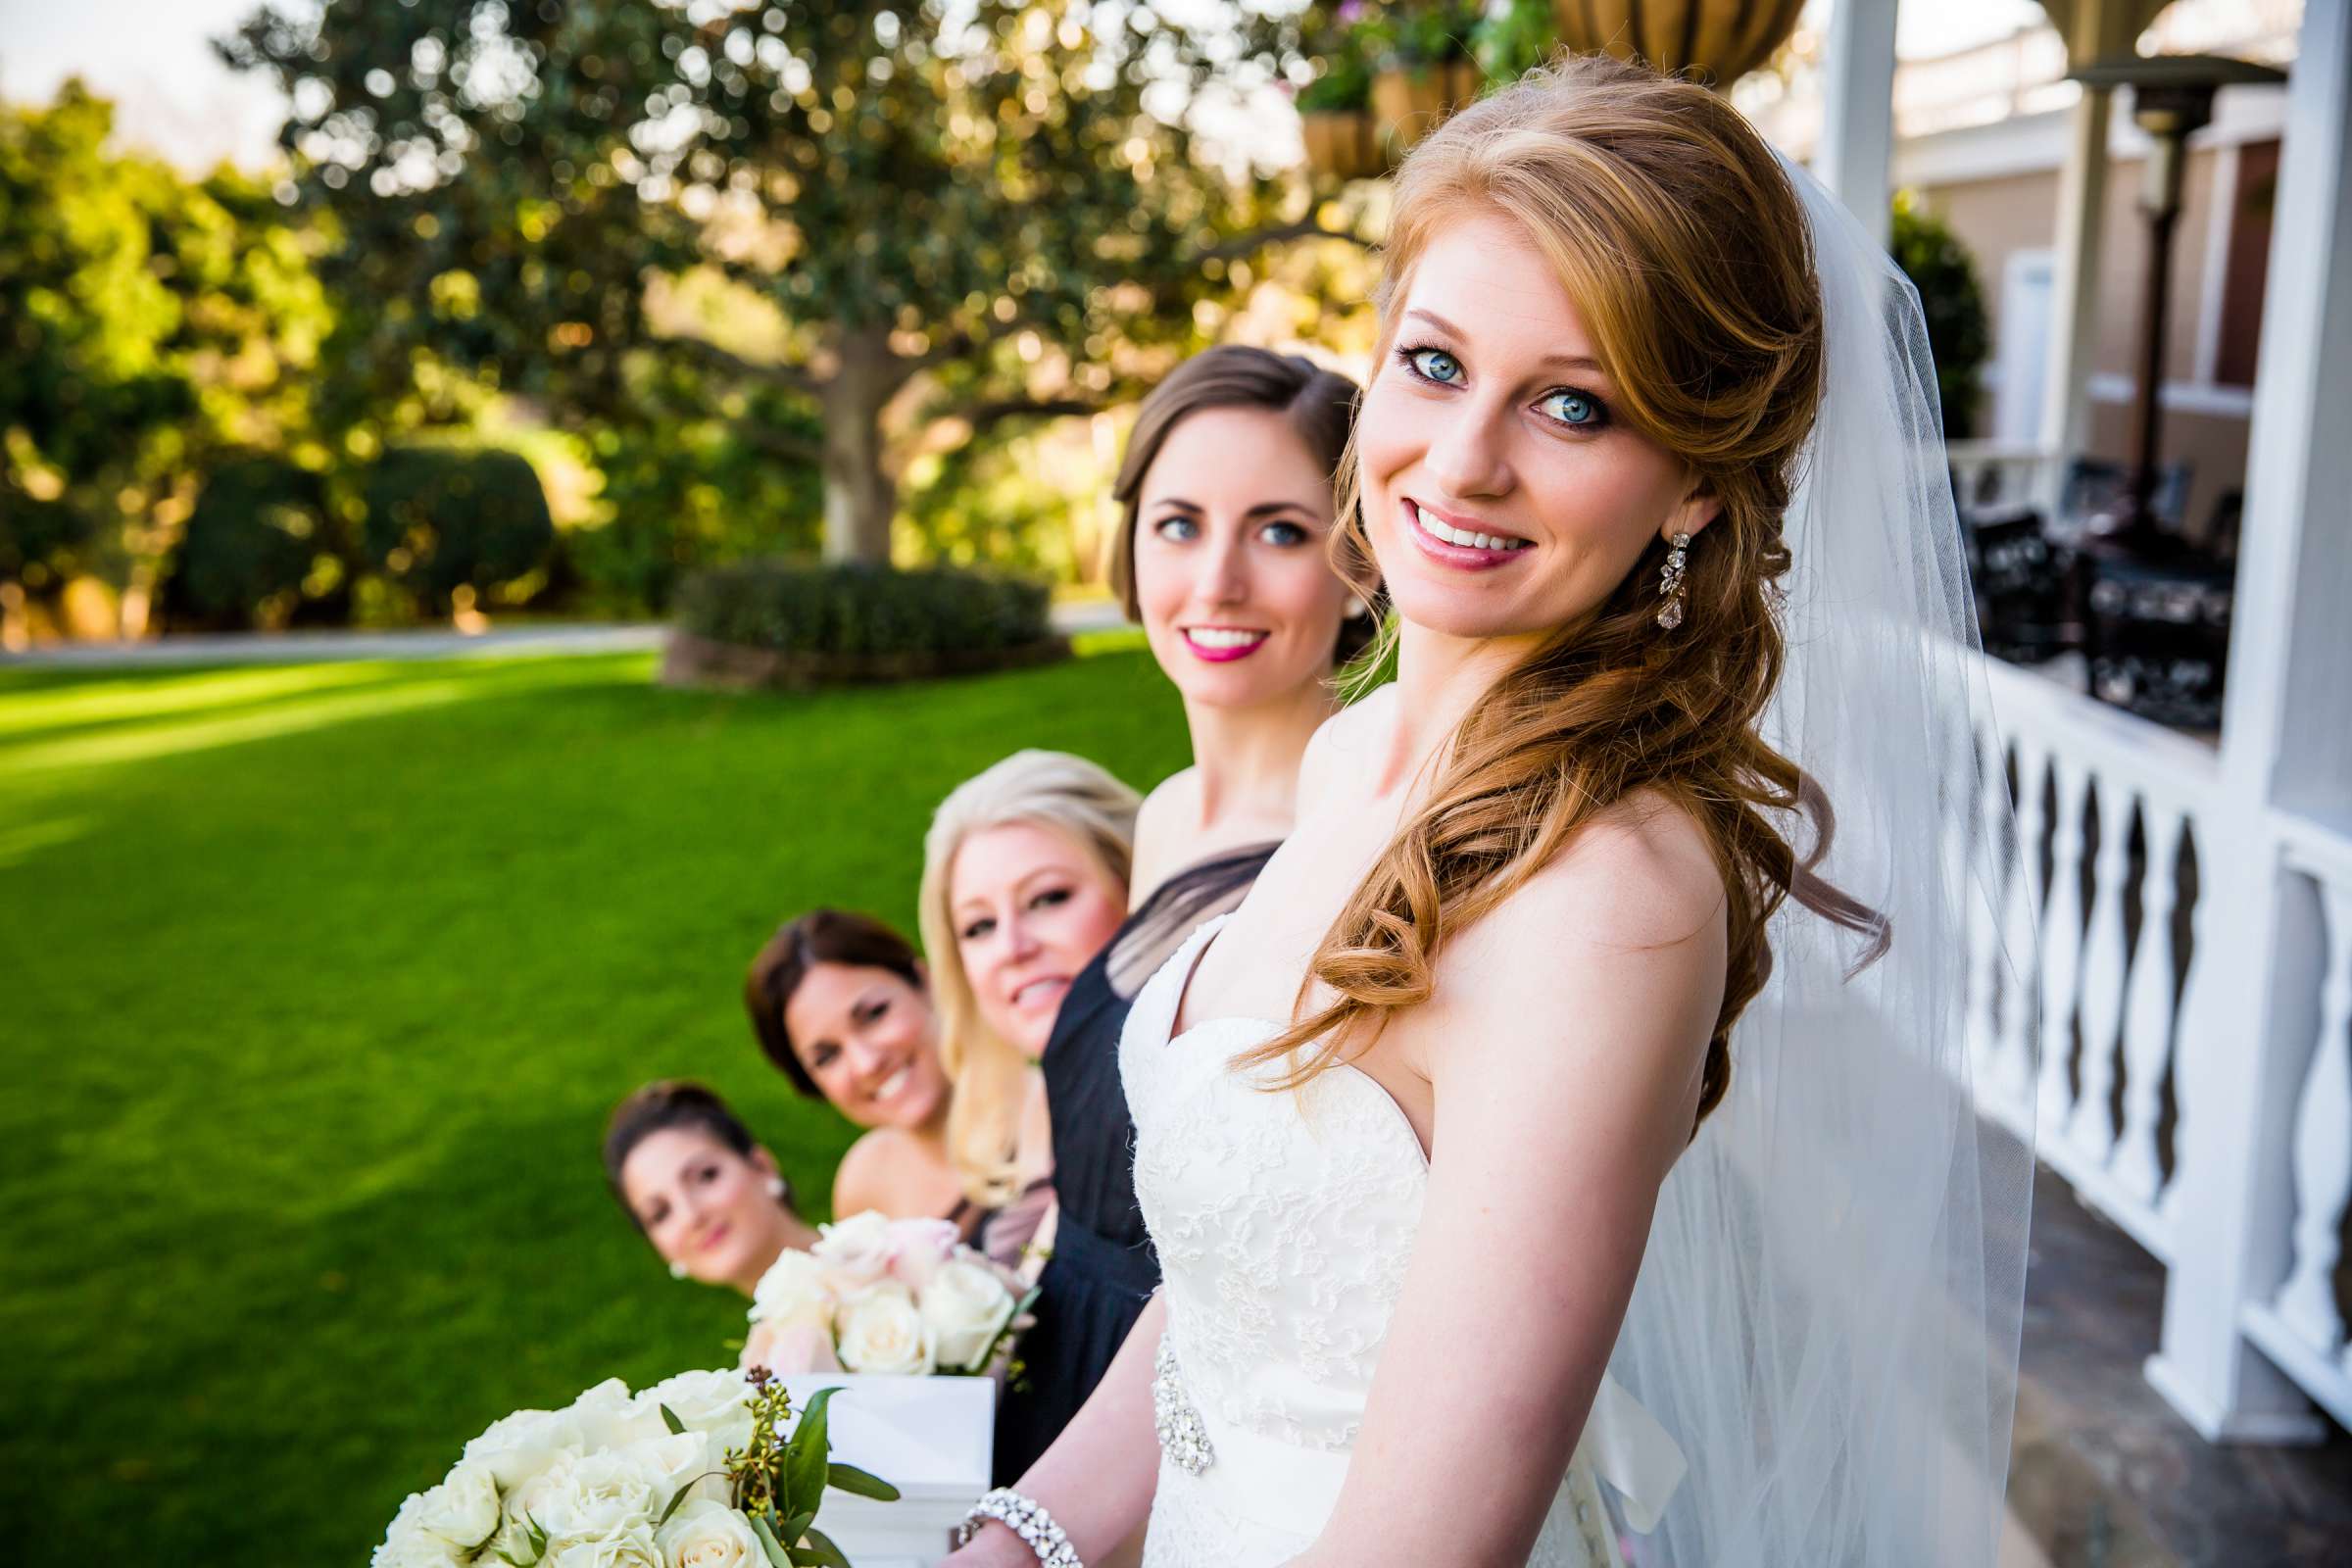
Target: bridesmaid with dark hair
{"points": [[1226, 488], [701, 1189], [841, 1005]]}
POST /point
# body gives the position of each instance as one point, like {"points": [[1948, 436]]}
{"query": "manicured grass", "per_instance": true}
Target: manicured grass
{"points": [[315, 984]]}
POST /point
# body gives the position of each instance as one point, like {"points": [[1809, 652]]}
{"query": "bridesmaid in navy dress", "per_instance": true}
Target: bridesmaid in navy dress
{"points": [[1227, 494]]}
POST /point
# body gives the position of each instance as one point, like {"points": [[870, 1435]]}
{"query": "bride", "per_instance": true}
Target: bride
{"points": [[1569, 1137]]}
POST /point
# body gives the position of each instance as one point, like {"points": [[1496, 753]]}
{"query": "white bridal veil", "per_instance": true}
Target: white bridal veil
{"points": [[1827, 1317]]}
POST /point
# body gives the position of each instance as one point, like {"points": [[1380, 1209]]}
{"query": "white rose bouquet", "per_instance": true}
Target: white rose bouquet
{"points": [[705, 1470], [882, 1295]]}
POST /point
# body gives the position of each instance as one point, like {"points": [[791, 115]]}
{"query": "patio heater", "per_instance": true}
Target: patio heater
{"points": [[2172, 97], [2154, 609]]}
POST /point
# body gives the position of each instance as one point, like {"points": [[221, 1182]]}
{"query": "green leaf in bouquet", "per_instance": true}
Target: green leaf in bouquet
{"points": [[769, 1541], [670, 1419], [803, 1484], [816, 1552], [676, 1498], [860, 1482], [797, 1526]]}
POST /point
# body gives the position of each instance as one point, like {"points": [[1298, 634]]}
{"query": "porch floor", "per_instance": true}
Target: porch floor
{"points": [[2103, 1474]]}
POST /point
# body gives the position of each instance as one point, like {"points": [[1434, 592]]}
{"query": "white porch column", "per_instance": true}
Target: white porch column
{"points": [[2286, 745], [1857, 125]]}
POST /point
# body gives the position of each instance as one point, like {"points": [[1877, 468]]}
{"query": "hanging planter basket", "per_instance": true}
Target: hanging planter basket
{"points": [[1721, 40], [1340, 143], [1409, 102]]}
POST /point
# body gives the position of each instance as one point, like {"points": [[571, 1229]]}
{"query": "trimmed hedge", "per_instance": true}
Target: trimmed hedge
{"points": [[440, 519], [257, 532], [799, 623]]}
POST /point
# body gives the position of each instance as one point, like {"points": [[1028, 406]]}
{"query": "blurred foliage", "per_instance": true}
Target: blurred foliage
{"points": [[451, 526], [1039, 505], [257, 535], [1408, 34], [148, 324], [956, 215], [686, 494], [1959, 332], [1513, 39], [858, 610]]}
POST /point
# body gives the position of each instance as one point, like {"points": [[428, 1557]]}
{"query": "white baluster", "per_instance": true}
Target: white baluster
{"points": [[2148, 1012], [1981, 903], [2323, 1152], [2021, 919], [2062, 945], [2093, 1126]]}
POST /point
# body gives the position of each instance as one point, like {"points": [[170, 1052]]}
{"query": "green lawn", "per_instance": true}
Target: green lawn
{"points": [[315, 984]]}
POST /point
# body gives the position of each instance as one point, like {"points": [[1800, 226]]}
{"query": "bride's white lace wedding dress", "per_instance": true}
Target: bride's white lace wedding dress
{"points": [[1283, 1223]]}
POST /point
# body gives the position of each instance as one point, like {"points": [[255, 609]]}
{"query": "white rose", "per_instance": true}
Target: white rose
{"points": [[882, 1330], [790, 1348], [674, 1458], [463, 1509], [714, 1402], [597, 1494], [409, 1545], [626, 1546], [794, 1290], [856, 1252], [965, 1308], [704, 1534], [608, 1415], [918, 1248], [521, 1446]]}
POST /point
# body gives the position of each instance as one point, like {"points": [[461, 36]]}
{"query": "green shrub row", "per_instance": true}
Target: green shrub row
{"points": [[863, 612]]}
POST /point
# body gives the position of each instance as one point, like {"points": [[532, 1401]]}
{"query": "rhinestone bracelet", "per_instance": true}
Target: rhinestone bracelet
{"points": [[1025, 1519]]}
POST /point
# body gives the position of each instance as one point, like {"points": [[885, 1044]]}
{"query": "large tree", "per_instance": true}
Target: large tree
{"points": [[935, 216]]}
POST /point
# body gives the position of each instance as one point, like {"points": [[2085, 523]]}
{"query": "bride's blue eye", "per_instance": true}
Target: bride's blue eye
{"points": [[1578, 410], [1433, 364]]}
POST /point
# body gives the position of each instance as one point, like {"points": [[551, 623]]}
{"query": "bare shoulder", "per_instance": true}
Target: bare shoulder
{"points": [[1591, 991], [1642, 874], [873, 1174], [1163, 826]]}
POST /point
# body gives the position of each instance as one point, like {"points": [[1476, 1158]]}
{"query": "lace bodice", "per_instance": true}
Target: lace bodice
{"points": [[1284, 1224]]}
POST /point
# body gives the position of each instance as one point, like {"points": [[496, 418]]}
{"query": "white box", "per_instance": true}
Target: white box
{"points": [[932, 1437]]}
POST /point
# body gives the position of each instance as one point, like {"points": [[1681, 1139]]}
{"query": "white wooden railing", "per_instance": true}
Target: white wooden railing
{"points": [[2301, 1328], [2103, 920]]}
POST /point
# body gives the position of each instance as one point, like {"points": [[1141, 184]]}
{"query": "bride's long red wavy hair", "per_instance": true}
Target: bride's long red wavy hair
{"points": [[1687, 256]]}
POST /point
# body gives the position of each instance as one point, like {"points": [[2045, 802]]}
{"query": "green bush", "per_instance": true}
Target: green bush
{"points": [[803, 608], [440, 519], [1959, 334], [257, 534], [854, 613]]}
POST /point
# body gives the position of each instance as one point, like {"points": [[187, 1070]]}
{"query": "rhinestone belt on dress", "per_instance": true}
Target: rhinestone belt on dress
{"points": [[1182, 1436]]}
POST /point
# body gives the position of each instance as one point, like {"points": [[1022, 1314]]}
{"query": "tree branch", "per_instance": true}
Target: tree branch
{"points": [[981, 416], [792, 377], [1276, 235], [780, 443]]}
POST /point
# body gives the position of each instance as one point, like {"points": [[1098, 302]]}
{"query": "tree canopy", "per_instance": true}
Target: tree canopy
{"points": [[931, 218]]}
